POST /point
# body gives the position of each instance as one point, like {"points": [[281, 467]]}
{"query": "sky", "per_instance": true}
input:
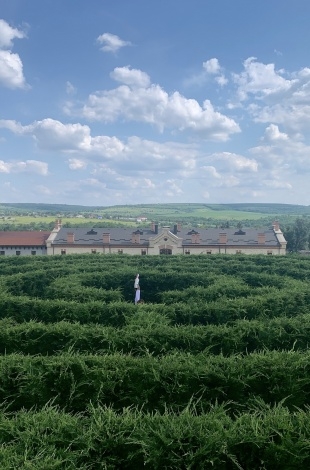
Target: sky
{"points": [[110, 102]]}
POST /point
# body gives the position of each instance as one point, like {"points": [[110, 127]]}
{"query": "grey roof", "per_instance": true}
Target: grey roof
{"points": [[209, 236], [235, 237]]}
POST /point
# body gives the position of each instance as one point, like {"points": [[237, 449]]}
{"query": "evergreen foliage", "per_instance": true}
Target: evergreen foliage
{"points": [[212, 371]]}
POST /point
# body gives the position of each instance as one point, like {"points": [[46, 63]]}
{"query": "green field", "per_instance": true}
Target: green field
{"points": [[42, 216], [212, 371]]}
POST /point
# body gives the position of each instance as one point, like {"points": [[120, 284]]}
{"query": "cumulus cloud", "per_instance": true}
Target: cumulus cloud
{"points": [[111, 42], [28, 166], [228, 161], [131, 77], [212, 66], [210, 69], [8, 34], [282, 152], [275, 97], [76, 164], [272, 134], [134, 153], [260, 79], [138, 100], [11, 66]]}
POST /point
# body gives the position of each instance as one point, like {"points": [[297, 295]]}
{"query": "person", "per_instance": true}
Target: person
{"points": [[137, 296], [137, 280]]}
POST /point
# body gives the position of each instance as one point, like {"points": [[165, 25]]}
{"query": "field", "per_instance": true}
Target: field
{"points": [[212, 371], [42, 216]]}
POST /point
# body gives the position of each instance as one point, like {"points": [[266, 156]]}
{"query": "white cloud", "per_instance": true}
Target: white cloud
{"points": [[272, 134], [282, 152], [28, 166], [135, 153], [11, 66], [210, 69], [130, 77], [11, 125], [76, 164], [260, 80], [172, 188], [8, 34], [111, 42], [152, 105], [4, 167], [221, 80], [212, 66], [11, 70], [212, 171], [233, 162]]}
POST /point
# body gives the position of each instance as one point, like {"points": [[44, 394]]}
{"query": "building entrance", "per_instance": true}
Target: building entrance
{"points": [[165, 251]]}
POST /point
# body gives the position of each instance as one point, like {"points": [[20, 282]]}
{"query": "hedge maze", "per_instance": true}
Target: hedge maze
{"points": [[212, 371]]}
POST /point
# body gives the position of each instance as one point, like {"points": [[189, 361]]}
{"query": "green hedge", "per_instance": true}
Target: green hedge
{"points": [[149, 332], [72, 381], [265, 438]]}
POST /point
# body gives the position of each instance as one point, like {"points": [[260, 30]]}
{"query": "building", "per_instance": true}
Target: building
{"points": [[23, 243], [157, 240]]}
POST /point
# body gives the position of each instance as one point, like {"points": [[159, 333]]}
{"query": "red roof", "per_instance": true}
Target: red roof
{"points": [[23, 238]]}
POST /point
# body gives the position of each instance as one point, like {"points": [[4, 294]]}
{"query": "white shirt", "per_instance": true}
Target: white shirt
{"points": [[136, 282]]}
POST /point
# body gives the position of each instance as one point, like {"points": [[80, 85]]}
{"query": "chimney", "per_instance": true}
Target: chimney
{"points": [[135, 237], [153, 226], [261, 239], [223, 238], [276, 225], [70, 237], [175, 229], [196, 237], [106, 238], [179, 227], [57, 224], [156, 228]]}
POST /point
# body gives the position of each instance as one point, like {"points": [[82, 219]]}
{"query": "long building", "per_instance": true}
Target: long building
{"points": [[157, 240], [16, 243]]}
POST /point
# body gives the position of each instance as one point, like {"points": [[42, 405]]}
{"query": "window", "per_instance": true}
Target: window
{"points": [[187, 252], [120, 251], [269, 252], [17, 252], [165, 251], [209, 252], [143, 252], [94, 251], [63, 251], [238, 252], [2, 253], [33, 252]]}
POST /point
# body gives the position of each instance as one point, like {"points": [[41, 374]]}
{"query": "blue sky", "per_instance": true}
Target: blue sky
{"points": [[110, 102]]}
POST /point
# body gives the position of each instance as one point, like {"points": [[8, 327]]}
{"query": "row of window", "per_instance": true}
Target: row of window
{"points": [[17, 252], [120, 252], [143, 252], [19, 247]]}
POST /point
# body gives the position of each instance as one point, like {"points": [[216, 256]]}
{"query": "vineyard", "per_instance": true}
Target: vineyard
{"points": [[212, 371]]}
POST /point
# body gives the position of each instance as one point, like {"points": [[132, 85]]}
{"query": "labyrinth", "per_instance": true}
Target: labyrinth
{"points": [[211, 371]]}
